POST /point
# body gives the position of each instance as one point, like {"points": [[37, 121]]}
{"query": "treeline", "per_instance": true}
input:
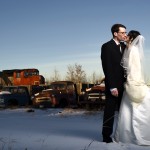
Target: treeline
{"points": [[77, 74]]}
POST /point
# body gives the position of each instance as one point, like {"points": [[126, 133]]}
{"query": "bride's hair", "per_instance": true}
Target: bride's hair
{"points": [[136, 42], [133, 34]]}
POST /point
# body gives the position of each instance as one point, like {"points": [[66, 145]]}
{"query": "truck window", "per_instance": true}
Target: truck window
{"points": [[70, 87]]}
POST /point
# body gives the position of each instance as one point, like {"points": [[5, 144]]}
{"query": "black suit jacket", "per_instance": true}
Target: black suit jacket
{"points": [[113, 71]]}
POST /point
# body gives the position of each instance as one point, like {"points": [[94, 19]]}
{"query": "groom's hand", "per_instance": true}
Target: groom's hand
{"points": [[114, 92]]}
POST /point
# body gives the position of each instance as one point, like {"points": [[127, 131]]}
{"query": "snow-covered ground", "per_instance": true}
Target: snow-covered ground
{"points": [[55, 129]]}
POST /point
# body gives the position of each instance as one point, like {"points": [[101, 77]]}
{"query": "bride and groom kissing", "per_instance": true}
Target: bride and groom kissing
{"points": [[125, 88]]}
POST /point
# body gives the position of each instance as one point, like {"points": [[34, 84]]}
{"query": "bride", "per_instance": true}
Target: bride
{"points": [[134, 116]]}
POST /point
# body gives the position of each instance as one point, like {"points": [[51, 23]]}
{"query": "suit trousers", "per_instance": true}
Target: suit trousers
{"points": [[112, 104]]}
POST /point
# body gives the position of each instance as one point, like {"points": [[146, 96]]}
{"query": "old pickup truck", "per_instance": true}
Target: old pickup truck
{"points": [[14, 96], [93, 97], [60, 94]]}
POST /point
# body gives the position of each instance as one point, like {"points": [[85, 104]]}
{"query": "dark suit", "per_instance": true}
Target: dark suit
{"points": [[114, 78]]}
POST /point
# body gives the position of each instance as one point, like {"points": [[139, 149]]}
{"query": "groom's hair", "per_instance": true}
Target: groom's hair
{"points": [[115, 28], [133, 34]]}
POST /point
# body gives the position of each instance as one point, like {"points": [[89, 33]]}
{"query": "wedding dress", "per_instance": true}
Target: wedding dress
{"points": [[133, 124]]}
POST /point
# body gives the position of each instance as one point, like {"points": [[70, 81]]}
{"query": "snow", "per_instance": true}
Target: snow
{"points": [[55, 129]]}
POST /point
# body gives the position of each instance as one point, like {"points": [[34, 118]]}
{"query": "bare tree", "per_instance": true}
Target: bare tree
{"points": [[75, 73], [95, 78], [55, 76], [71, 73], [47, 81]]}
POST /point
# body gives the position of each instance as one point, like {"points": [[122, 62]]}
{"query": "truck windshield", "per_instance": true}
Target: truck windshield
{"points": [[58, 86]]}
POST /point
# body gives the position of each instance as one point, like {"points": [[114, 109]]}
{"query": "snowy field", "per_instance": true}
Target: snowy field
{"points": [[55, 129]]}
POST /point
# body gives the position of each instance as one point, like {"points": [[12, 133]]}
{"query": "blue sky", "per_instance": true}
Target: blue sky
{"points": [[52, 34]]}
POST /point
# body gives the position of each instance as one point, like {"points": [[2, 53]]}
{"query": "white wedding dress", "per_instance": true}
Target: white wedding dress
{"points": [[134, 116]]}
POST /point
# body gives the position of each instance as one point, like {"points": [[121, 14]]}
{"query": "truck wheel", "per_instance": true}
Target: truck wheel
{"points": [[63, 103], [87, 106], [12, 102]]}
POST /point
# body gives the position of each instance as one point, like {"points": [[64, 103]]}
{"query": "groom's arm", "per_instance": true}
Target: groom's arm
{"points": [[108, 68]]}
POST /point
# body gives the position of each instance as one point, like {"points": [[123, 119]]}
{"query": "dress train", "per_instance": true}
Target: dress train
{"points": [[134, 121]]}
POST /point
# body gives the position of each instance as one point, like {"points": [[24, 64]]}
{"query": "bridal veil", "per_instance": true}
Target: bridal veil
{"points": [[133, 64]]}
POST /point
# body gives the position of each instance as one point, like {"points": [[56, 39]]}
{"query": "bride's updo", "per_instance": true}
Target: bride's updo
{"points": [[133, 34]]}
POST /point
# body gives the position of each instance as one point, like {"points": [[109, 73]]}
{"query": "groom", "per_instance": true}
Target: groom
{"points": [[111, 54]]}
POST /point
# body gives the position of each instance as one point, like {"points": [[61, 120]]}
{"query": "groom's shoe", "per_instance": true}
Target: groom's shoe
{"points": [[107, 140]]}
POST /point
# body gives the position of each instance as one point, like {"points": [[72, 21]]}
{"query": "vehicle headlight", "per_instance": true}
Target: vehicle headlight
{"points": [[53, 96]]}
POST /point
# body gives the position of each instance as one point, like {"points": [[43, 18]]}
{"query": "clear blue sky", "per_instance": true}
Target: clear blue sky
{"points": [[52, 34]]}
